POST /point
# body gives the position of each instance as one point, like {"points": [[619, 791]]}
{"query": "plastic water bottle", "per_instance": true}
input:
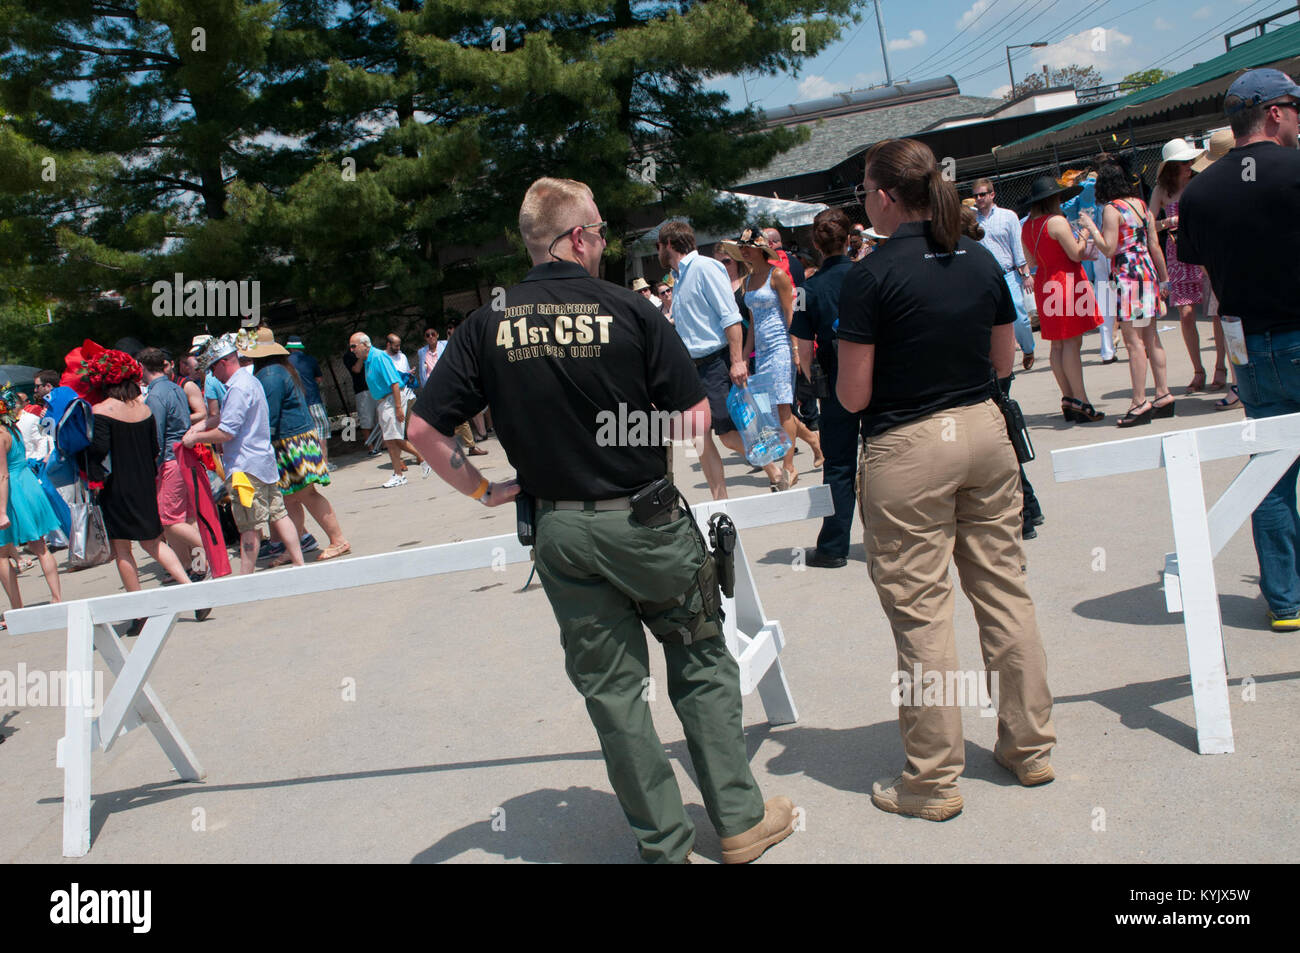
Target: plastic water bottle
{"points": [[755, 416]]}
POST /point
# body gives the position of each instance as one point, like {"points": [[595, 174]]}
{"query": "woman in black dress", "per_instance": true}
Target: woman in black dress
{"points": [[121, 464]]}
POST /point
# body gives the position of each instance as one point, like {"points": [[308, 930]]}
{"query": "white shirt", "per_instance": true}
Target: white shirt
{"points": [[36, 445], [399, 361]]}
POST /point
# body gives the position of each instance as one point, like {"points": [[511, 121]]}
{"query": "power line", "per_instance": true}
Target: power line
{"points": [[997, 41], [1051, 36], [929, 57], [980, 38], [1203, 38]]}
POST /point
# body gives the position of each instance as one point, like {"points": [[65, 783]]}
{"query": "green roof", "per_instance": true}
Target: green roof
{"points": [[1280, 44]]}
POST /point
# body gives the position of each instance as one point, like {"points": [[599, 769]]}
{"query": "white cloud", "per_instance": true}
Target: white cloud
{"points": [[1107, 50], [997, 92], [1163, 24], [1202, 13], [816, 87], [967, 18], [914, 39]]}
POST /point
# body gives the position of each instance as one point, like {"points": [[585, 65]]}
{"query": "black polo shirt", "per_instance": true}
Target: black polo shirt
{"points": [[930, 315], [1240, 218], [816, 320], [572, 367]]}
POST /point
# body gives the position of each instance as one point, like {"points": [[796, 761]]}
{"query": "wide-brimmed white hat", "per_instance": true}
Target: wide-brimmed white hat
{"points": [[1177, 150], [871, 233]]}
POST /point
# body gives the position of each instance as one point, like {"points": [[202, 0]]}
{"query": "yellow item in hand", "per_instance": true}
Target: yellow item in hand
{"points": [[243, 487]]}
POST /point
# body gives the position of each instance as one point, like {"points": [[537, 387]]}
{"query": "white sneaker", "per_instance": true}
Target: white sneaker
{"points": [[425, 470], [396, 480]]}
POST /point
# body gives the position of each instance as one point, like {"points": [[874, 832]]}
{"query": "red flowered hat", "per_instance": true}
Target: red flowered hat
{"points": [[110, 367]]}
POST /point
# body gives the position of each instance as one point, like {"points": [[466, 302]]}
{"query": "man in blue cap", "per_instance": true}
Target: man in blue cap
{"points": [[1240, 218]]}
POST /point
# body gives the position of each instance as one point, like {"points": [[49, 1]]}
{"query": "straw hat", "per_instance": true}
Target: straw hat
{"points": [[639, 284], [1176, 150], [1220, 143], [261, 344], [752, 238]]}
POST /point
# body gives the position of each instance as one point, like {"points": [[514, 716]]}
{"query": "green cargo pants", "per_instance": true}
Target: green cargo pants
{"points": [[604, 574]]}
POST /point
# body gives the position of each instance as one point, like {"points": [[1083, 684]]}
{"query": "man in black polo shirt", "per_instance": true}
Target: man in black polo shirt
{"points": [[840, 430], [564, 363], [1240, 218]]}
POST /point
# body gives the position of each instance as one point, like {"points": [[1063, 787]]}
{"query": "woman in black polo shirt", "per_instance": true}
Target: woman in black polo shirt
{"points": [[924, 324]]}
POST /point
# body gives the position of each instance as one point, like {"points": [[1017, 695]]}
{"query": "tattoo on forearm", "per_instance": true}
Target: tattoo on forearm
{"points": [[457, 459]]}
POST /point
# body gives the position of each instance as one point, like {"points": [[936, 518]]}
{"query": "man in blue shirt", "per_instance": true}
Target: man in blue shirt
{"points": [[708, 321], [1002, 238], [385, 385], [171, 413], [244, 435]]}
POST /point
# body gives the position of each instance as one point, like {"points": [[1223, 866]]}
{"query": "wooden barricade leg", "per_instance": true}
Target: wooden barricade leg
{"points": [[148, 710], [1200, 596], [74, 747]]}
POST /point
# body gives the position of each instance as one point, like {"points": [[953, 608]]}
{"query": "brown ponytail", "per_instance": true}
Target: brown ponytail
{"points": [[907, 169], [945, 211]]}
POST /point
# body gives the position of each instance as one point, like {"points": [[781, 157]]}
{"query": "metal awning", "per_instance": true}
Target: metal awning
{"points": [[1205, 81], [758, 208]]}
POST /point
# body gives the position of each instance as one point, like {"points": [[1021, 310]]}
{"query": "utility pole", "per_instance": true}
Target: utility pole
{"points": [[884, 44]]}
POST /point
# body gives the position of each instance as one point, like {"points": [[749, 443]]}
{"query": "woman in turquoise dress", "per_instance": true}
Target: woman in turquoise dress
{"points": [[25, 514]]}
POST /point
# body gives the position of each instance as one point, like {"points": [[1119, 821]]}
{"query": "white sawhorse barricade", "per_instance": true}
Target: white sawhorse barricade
{"points": [[753, 639], [1274, 444]]}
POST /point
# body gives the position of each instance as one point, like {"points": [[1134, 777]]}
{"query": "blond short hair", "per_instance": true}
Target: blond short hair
{"points": [[549, 207]]}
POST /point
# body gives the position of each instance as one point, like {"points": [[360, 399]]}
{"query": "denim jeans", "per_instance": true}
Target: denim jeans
{"points": [[1023, 328], [1269, 386]]}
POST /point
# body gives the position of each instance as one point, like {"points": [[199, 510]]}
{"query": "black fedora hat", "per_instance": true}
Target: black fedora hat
{"points": [[1045, 187]]}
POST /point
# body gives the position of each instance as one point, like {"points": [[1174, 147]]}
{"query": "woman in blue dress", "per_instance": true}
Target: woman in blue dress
{"points": [[769, 295], [25, 514]]}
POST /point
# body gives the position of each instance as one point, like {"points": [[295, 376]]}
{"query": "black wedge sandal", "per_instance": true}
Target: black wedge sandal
{"points": [[1133, 419]]}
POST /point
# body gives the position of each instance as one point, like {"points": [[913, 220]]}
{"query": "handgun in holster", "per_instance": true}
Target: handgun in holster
{"points": [[722, 539]]}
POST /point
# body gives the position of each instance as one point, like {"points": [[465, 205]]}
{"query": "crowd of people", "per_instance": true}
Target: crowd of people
{"points": [[153, 426], [929, 460]]}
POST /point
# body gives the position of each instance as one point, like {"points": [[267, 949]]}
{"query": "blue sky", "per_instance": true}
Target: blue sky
{"points": [[967, 38]]}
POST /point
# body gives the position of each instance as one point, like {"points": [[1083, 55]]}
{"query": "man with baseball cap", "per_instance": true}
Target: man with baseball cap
{"points": [[1240, 218]]}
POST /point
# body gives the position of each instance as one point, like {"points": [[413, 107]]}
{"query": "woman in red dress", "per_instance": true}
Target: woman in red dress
{"points": [[1067, 306]]}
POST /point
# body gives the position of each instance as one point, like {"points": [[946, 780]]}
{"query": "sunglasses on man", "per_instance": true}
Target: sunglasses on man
{"points": [[603, 231]]}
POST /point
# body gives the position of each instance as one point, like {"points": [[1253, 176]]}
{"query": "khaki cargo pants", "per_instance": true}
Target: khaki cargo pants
{"points": [[942, 489]]}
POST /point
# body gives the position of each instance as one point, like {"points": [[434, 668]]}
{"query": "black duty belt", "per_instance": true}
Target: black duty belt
{"points": [[598, 506], [709, 357], [611, 505]]}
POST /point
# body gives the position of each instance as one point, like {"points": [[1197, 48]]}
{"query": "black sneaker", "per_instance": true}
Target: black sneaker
{"points": [[820, 560], [269, 550], [309, 544]]}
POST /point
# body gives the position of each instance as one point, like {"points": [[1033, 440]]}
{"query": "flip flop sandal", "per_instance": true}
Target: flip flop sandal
{"points": [[1220, 379], [331, 552]]}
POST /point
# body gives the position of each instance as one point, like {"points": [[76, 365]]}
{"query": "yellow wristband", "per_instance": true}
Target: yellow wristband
{"points": [[482, 488]]}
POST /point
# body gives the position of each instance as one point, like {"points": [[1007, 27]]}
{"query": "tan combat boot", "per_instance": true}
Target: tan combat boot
{"points": [[776, 825]]}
